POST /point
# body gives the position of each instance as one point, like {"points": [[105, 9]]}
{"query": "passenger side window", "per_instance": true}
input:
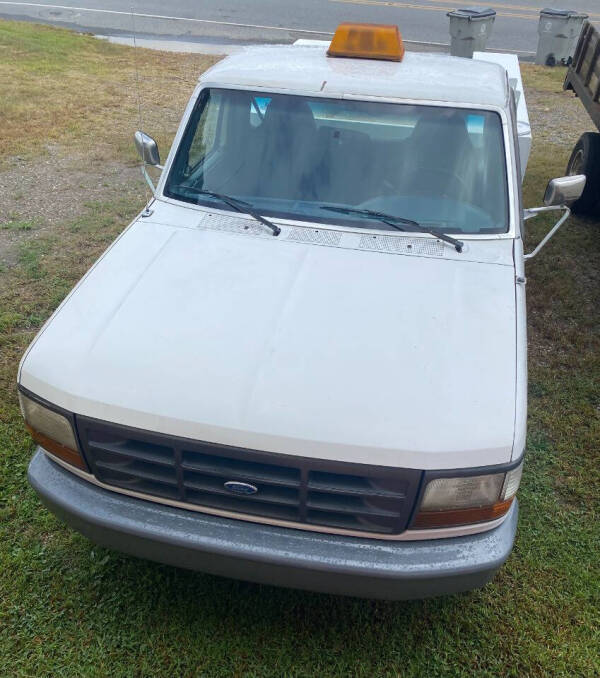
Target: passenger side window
{"points": [[206, 133]]}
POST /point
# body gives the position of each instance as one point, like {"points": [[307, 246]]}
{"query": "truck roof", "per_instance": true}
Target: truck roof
{"points": [[419, 76]]}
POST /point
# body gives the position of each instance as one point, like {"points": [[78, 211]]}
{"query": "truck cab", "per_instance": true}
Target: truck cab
{"points": [[304, 363]]}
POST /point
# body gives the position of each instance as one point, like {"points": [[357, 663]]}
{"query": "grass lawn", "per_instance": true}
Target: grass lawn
{"points": [[68, 186]]}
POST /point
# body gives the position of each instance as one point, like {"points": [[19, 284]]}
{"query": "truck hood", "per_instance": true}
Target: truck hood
{"points": [[281, 344]]}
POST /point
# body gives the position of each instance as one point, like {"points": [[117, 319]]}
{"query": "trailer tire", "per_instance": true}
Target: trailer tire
{"points": [[585, 159]]}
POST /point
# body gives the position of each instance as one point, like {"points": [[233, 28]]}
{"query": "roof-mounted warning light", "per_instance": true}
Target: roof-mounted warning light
{"points": [[367, 41]]}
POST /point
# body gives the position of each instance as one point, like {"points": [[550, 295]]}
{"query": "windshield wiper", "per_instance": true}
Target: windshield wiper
{"points": [[394, 222], [243, 207]]}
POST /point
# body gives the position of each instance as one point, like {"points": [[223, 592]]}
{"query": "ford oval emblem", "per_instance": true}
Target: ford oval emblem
{"points": [[240, 488]]}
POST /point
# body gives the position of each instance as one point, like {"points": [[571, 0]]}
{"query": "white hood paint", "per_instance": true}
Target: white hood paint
{"points": [[291, 347]]}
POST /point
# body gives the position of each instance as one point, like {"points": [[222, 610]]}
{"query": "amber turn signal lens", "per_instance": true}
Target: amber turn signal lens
{"points": [[367, 41], [466, 516], [64, 453]]}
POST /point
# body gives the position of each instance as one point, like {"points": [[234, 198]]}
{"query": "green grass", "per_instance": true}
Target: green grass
{"points": [[17, 225], [70, 608]]}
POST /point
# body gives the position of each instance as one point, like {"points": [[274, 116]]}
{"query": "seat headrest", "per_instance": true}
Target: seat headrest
{"points": [[448, 129], [289, 111]]}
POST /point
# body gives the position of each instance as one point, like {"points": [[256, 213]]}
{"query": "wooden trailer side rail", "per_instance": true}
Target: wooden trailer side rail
{"points": [[583, 76]]}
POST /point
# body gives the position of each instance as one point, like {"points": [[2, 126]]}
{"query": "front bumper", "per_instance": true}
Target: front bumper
{"points": [[272, 555]]}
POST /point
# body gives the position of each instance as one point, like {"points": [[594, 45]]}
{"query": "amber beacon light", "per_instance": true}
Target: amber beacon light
{"points": [[367, 41]]}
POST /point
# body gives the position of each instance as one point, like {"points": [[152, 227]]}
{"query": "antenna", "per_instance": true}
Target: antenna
{"points": [[147, 211]]}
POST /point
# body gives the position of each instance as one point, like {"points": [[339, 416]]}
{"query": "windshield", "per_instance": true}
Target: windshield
{"points": [[291, 156]]}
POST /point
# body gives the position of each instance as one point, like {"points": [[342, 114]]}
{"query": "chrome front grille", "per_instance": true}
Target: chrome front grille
{"points": [[288, 488]]}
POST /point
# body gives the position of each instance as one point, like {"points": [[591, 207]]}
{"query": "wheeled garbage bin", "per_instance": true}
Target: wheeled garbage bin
{"points": [[470, 28], [559, 31]]}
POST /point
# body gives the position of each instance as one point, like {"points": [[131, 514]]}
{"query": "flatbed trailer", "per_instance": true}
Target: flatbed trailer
{"points": [[583, 77]]}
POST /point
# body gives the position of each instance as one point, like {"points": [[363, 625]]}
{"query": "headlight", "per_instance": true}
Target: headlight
{"points": [[463, 500], [52, 430]]}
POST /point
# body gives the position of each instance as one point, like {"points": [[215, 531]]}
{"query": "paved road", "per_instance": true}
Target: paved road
{"points": [[284, 20]]}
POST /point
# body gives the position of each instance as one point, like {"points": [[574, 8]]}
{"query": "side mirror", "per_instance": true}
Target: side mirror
{"points": [[564, 190], [559, 193], [147, 148]]}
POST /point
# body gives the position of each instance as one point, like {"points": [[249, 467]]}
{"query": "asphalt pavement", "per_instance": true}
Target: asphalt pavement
{"points": [[247, 21]]}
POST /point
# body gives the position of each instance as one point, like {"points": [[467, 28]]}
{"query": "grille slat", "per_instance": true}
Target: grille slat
{"points": [[355, 508], [136, 484], [237, 505], [351, 485], [136, 472], [234, 469], [351, 522], [355, 497], [141, 452]]}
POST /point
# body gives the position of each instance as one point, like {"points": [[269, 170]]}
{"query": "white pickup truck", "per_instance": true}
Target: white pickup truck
{"points": [[304, 363]]}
